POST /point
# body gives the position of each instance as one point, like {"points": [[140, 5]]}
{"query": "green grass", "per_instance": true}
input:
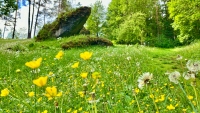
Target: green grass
{"points": [[119, 66]]}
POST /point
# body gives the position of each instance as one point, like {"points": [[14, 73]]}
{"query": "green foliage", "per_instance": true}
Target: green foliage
{"points": [[84, 41], [17, 47], [120, 10], [132, 31], [73, 20], [96, 18], [162, 42], [114, 19], [47, 32], [186, 19], [7, 7]]}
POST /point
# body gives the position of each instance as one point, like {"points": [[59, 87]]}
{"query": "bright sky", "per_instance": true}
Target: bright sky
{"points": [[89, 2], [23, 22]]}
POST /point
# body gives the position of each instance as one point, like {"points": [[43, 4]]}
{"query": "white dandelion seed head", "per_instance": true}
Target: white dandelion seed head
{"points": [[145, 78], [188, 75], [174, 77], [193, 66]]}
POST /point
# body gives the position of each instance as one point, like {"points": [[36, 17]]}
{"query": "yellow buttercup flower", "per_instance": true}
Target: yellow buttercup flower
{"points": [[170, 107], [190, 97], [39, 99], [45, 111], [41, 81], [136, 90], [84, 75], [18, 71], [69, 110], [34, 64], [60, 55], [31, 94], [75, 65], [96, 75], [86, 55], [75, 111], [80, 109], [50, 73], [52, 92], [151, 96], [162, 98], [81, 93], [4, 92], [184, 110]]}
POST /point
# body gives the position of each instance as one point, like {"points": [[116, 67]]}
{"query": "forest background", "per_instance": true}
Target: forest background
{"points": [[161, 23]]}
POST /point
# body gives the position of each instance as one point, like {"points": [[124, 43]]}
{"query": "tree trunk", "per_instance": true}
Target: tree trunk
{"points": [[157, 21], [37, 17], [4, 29], [32, 17], [13, 35], [29, 19]]}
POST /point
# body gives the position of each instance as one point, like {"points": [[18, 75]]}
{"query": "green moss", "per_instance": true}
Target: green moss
{"points": [[86, 41], [74, 19]]}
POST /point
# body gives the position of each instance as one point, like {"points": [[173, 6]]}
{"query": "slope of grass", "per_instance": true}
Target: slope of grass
{"points": [[115, 87]]}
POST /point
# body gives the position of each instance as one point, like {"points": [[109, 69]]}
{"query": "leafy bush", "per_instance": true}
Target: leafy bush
{"points": [[132, 30], [85, 41], [17, 47], [162, 42]]}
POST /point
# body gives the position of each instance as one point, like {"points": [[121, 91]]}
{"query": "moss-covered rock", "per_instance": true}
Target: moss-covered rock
{"points": [[66, 24], [86, 41]]}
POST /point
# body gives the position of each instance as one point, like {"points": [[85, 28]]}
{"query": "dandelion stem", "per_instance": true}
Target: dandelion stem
{"points": [[187, 98], [154, 102], [35, 99], [137, 102], [196, 96], [95, 107]]}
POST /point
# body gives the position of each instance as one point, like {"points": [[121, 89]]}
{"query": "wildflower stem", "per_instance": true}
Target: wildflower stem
{"points": [[95, 107], [35, 99], [187, 98], [195, 92], [137, 102], [154, 102]]}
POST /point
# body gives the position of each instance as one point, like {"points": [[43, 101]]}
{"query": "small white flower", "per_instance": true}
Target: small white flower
{"points": [[35, 71], [93, 101], [137, 64], [144, 79], [128, 58], [179, 57], [193, 66], [174, 77], [59, 38]]}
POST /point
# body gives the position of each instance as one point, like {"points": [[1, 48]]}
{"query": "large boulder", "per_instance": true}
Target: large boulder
{"points": [[66, 24]]}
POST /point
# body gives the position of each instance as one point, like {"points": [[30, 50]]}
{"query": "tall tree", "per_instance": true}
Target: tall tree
{"points": [[186, 14], [120, 10], [168, 30], [132, 31], [15, 21], [36, 20], [0, 33], [29, 20], [7, 7], [96, 18], [113, 19]]}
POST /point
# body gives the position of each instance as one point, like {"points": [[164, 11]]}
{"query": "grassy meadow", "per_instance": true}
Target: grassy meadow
{"points": [[40, 77]]}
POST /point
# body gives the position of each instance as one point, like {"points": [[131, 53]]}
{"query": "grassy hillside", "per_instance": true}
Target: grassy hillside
{"points": [[111, 84]]}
